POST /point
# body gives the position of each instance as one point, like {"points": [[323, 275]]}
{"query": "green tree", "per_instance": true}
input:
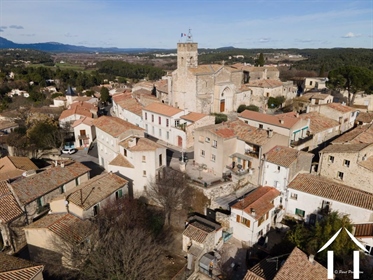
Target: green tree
{"points": [[353, 79], [244, 107], [219, 117], [322, 70], [260, 61], [104, 92]]}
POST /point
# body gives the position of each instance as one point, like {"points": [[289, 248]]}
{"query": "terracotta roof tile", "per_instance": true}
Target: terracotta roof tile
{"points": [[131, 104], [205, 69], [363, 230], [12, 268], [360, 134], [120, 160], [326, 188], [284, 156], [297, 266], [162, 109], [114, 126], [266, 83], [142, 144], [260, 200], [30, 188], [162, 85], [64, 225], [319, 122], [7, 124], [85, 120], [95, 190], [9, 163], [76, 110], [9, 208], [365, 117], [340, 107], [288, 119], [197, 231], [193, 116], [345, 148]]}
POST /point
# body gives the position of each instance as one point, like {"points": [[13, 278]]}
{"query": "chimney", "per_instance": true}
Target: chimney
{"points": [[269, 133], [311, 259], [132, 142], [297, 115], [252, 211], [62, 164], [281, 121]]}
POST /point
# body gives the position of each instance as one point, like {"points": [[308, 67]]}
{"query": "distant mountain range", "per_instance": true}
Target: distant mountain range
{"points": [[58, 47]]}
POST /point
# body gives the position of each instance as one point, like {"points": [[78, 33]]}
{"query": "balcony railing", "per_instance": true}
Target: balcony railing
{"points": [[251, 153], [239, 171], [300, 141]]}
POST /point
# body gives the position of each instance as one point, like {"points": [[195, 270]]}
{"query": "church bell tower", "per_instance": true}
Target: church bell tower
{"points": [[187, 53]]}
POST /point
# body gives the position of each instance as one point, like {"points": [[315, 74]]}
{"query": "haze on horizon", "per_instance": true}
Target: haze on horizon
{"points": [[214, 24]]}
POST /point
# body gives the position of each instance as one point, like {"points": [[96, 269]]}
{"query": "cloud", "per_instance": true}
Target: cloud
{"points": [[3, 27], [1, 30], [16, 26], [264, 40], [28, 35], [351, 35]]}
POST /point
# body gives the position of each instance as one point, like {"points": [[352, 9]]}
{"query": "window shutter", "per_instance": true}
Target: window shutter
{"points": [[238, 220]]}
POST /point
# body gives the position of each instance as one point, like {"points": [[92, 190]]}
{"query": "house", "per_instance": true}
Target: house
{"points": [[345, 115], [201, 236], [84, 132], [281, 164], [76, 111], [139, 160], [12, 219], [359, 134], [311, 98], [295, 266], [364, 232], [18, 92], [234, 147], [312, 195], [361, 100], [288, 124], [351, 164], [7, 126], [12, 167], [35, 190], [56, 237], [172, 125], [318, 83], [85, 200], [322, 128], [251, 217], [110, 131], [21, 269]]}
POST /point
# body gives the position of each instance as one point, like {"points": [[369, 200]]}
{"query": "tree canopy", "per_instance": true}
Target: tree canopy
{"points": [[353, 79]]}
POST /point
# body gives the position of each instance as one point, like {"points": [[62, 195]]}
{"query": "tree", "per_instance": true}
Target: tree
{"points": [[260, 60], [170, 190], [353, 79], [104, 92], [244, 107]]}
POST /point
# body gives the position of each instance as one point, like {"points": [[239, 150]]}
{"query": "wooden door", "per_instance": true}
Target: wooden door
{"points": [[222, 105], [179, 141]]}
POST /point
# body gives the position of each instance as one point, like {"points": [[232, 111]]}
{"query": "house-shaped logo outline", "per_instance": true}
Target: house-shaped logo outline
{"points": [[356, 269]]}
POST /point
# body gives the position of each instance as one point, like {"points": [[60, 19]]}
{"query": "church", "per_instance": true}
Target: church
{"points": [[215, 88]]}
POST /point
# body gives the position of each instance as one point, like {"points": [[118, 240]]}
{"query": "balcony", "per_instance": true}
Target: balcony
{"points": [[301, 141], [239, 171], [252, 153]]}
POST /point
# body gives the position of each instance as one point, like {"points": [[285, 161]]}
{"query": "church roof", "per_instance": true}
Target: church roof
{"points": [[205, 69], [70, 91]]}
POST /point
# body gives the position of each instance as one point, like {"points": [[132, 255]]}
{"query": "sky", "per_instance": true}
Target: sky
{"points": [[213, 23]]}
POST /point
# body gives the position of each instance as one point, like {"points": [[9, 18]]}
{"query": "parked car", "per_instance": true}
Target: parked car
{"points": [[68, 151]]}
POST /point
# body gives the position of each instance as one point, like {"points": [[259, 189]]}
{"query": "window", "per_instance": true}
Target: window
{"points": [[146, 128], [144, 173], [331, 159], [202, 153], [160, 160], [261, 220], [278, 168], [346, 163], [62, 189], [200, 138], [153, 130], [159, 120], [146, 116], [294, 196], [299, 212], [260, 126], [310, 83], [340, 175], [76, 181], [213, 157], [143, 158], [96, 209], [167, 122], [242, 220], [177, 123], [160, 132], [39, 201], [215, 144], [152, 118], [207, 139], [168, 135], [125, 152], [118, 194]]}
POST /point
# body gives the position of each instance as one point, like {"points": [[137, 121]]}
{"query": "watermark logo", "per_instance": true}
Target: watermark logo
{"points": [[356, 257]]}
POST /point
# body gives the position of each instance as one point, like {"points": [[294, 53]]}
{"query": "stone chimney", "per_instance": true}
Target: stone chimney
{"points": [[131, 142], [311, 259], [269, 133], [281, 121]]}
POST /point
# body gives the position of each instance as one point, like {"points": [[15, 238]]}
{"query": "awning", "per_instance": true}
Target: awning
{"points": [[241, 156]]}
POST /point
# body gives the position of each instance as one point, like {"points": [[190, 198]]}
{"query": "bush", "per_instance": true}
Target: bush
{"points": [[244, 107], [219, 117], [275, 102]]}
